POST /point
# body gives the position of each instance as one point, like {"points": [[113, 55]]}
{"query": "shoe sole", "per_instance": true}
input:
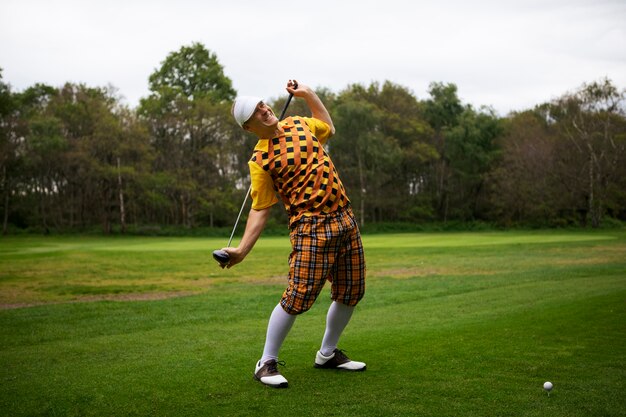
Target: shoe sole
{"points": [[281, 385], [339, 369]]}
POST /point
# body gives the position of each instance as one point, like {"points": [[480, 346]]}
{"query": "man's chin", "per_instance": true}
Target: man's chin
{"points": [[272, 121]]}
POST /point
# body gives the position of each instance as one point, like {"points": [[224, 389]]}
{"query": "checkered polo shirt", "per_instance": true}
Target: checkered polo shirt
{"points": [[296, 166]]}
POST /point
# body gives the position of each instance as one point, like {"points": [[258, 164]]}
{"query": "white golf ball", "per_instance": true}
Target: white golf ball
{"points": [[547, 386]]}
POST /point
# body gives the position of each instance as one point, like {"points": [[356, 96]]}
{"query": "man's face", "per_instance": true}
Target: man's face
{"points": [[262, 118]]}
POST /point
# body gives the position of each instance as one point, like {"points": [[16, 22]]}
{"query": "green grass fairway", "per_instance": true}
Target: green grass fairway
{"points": [[453, 324]]}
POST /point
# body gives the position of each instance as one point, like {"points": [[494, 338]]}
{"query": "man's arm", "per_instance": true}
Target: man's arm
{"points": [[318, 110], [254, 226]]}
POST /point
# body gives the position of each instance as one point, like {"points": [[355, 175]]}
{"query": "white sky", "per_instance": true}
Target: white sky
{"points": [[509, 54]]}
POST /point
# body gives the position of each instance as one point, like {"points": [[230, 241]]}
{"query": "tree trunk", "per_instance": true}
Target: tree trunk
{"points": [[5, 187], [42, 205], [183, 210], [122, 211], [363, 190]]}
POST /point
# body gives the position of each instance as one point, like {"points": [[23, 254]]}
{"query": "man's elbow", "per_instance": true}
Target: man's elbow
{"points": [[261, 212]]}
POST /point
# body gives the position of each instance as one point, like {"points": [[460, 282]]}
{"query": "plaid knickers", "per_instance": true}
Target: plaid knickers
{"points": [[325, 247]]}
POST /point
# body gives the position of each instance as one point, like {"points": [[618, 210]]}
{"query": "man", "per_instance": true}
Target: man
{"points": [[289, 160]]}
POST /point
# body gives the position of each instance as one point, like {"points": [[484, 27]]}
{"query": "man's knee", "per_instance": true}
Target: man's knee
{"points": [[295, 308]]}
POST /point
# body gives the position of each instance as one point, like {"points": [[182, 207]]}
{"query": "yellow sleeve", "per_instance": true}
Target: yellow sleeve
{"points": [[262, 191], [318, 128]]}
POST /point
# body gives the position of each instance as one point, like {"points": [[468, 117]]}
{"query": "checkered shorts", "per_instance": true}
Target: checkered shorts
{"points": [[325, 247]]}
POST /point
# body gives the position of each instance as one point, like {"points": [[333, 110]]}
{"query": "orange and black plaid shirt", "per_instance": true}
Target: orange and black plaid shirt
{"points": [[297, 167]]}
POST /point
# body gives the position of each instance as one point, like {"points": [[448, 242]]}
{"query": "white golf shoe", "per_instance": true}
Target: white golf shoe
{"points": [[267, 373], [338, 360]]}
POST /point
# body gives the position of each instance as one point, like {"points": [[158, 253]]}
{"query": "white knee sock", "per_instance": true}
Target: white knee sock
{"points": [[277, 329], [336, 320]]}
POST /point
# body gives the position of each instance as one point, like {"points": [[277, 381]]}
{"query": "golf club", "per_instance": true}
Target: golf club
{"points": [[220, 255]]}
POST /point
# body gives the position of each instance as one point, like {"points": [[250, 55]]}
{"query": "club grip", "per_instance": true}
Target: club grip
{"points": [[282, 114], [221, 256]]}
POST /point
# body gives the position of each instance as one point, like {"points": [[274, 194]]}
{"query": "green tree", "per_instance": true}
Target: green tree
{"points": [[442, 111], [523, 183], [45, 146], [188, 116], [367, 159], [134, 157], [9, 149], [591, 119], [81, 150], [471, 150], [86, 181], [26, 181], [402, 124], [193, 72]]}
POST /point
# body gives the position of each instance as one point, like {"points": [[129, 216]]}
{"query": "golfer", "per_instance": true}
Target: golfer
{"points": [[290, 161]]}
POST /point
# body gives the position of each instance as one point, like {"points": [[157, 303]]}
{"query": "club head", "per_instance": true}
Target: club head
{"points": [[221, 257]]}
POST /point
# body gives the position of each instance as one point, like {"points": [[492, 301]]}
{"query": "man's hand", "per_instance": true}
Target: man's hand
{"points": [[300, 90], [318, 111], [235, 256], [297, 89]]}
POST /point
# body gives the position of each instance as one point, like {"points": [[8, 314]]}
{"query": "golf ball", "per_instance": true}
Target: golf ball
{"points": [[547, 386]]}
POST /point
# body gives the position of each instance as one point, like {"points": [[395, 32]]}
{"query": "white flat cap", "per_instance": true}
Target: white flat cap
{"points": [[244, 107]]}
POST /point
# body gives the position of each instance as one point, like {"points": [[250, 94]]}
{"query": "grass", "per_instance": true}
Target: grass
{"points": [[453, 324]]}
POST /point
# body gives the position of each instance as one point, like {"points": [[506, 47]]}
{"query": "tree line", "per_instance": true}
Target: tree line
{"points": [[74, 157]]}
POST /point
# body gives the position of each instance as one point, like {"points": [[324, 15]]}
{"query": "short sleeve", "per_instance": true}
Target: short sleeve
{"points": [[319, 129], [262, 190]]}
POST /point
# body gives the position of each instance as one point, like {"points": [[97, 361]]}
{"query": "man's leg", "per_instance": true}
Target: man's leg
{"points": [[348, 287], [329, 356], [336, 321], [277, 329]]}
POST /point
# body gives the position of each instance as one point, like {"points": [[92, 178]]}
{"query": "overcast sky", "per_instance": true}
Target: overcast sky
{"points": [[507, 54]]}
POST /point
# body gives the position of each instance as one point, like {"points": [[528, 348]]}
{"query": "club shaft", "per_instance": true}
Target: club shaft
{"points": [[239, 216], [282, 114]]}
